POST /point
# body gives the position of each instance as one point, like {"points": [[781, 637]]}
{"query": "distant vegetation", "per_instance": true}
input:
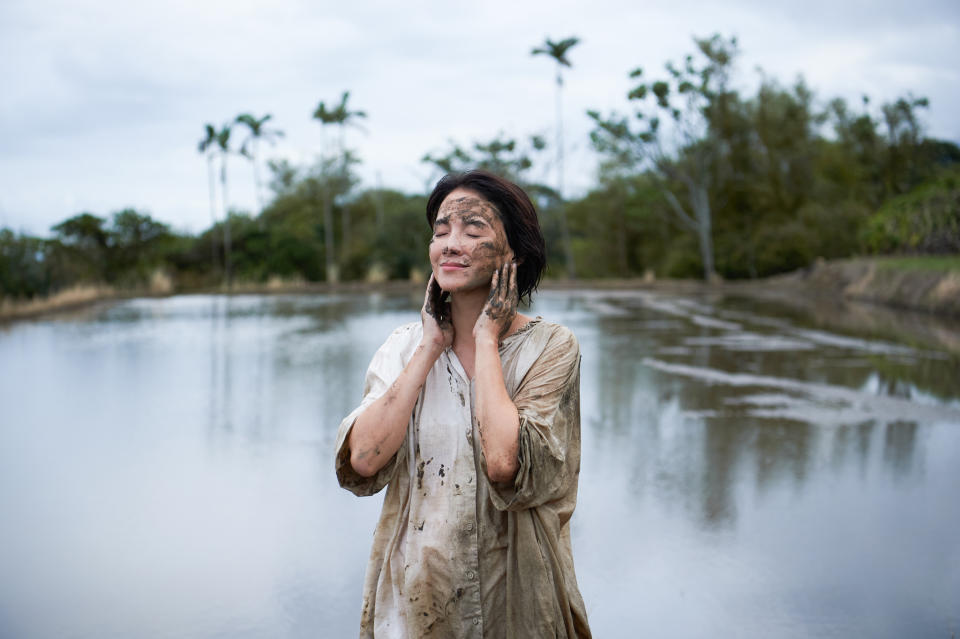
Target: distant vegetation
{"points": [[696, 180]]}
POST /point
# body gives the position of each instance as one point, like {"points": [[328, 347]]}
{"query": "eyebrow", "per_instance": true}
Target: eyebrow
{"points": [[475, 220], [472, 220]]}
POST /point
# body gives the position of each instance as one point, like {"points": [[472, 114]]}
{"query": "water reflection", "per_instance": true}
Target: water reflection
{"points": [[736, 458], [816, 389]]}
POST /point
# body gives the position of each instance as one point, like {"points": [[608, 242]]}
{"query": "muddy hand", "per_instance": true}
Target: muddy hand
{"points": [[501, 307], [435, 315]]}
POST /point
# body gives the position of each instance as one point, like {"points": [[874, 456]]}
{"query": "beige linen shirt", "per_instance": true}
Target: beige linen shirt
{"points": [[455, 555]]}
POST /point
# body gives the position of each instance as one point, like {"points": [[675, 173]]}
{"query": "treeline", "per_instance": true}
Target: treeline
{"points": [[696, 179]]}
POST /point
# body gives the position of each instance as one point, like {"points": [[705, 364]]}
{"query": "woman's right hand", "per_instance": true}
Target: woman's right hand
{"points": [[435, 315]]}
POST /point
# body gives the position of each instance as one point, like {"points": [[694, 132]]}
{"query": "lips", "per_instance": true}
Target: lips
{"points": [[452, 265]]}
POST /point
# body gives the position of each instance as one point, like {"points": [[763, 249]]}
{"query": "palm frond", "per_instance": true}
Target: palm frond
{"points": [[557, 50]]}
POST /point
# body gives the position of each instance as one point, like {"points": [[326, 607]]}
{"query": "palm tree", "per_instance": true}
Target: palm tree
{"points": [[558, 51], [251, 145], [340, 116], [206, 146], [223, 142]]}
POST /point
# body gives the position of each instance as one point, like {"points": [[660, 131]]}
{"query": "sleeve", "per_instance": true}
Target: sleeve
{"points": [[548, 403], [385, 367]]}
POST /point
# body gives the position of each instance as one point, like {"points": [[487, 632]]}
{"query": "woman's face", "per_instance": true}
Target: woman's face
{"points": [[469, 242]]}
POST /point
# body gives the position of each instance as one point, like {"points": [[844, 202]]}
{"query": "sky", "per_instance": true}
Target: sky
{"points": [[102, 104]]}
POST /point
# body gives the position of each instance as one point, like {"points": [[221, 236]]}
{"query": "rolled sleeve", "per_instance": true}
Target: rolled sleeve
{"points": [[548, 404], [385, 367]]}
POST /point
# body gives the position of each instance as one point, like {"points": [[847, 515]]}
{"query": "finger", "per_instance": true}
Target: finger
{"points": [[513, 281], [503, 280], [494, 284], [428, 294]]}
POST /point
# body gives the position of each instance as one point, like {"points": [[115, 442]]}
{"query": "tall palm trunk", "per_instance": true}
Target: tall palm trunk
{"points": [[564, 228], [256, 172], [211, 178], [228, 267], [345, 206], [333, 273], [330, 258]]}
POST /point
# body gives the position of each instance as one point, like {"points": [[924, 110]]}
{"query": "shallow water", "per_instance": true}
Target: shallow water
{"points": [[166, 470]]}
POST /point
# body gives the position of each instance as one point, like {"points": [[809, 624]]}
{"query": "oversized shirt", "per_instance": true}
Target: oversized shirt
{"points": [[454, 554]]}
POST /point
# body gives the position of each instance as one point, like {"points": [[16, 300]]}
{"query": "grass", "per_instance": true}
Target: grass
{"points": [[68, 298], [939, 263]]}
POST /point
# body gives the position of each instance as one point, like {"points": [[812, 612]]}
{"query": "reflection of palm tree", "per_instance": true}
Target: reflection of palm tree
{"points": [[206, 146], [339, 116], [257, 132], [558, 51]]}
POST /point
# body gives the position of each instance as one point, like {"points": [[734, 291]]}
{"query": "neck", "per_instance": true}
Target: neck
{"points": [[465, 308]]}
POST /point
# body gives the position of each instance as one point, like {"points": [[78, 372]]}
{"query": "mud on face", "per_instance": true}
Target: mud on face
{"points": [[483, 240]]}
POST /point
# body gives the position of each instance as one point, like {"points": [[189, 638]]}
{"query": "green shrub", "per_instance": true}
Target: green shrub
{"points": [[925, 220]]}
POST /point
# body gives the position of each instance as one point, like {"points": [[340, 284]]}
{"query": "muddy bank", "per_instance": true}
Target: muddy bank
{"points": [[70, 299], [878, 298], [84, 296], [895, 283], [873, 281], [930, 289]]}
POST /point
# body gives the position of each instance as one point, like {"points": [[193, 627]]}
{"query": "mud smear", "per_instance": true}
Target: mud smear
{"points": [[420, 469]]}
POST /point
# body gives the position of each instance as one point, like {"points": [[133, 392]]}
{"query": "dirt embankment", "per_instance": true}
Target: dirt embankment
{"points": [[929, 289], [878, 281], [85, 295], [66, 300]]}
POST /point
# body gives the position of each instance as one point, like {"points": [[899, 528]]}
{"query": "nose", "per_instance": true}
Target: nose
{"points": [[451, 244]]}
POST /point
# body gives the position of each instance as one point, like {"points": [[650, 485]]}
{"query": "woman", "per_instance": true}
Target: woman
{"points": [[472, 417]]}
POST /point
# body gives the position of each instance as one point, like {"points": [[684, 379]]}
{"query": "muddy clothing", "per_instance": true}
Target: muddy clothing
{"points": [[455, 555]]}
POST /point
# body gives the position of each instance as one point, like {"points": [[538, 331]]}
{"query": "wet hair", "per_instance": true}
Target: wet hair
{"points": [[516, 213]]}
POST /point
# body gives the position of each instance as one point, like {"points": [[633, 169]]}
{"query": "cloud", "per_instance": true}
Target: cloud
{"points": [[106, 100]]}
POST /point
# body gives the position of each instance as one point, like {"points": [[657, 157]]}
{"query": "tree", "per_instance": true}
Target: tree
{"points": [[341, 117], [687, 156], [223, 142], [904, 137], [87, 241], [136, 242], [251, 145], [501, 155], [283, 176], [558, 51], [24, 267], [207, 146]]}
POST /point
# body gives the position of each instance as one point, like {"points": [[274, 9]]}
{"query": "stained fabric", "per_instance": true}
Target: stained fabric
{"points": [[455, 555]]}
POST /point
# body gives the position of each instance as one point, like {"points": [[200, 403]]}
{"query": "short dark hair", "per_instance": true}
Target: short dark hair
{"points": [[517, 213]]}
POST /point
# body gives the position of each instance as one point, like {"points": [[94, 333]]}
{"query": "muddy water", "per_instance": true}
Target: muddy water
{"points": [[748, 470]]}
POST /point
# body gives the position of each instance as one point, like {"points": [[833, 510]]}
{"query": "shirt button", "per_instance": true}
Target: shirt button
{"points": [[471, 575], [470, 526], [476, 621]]}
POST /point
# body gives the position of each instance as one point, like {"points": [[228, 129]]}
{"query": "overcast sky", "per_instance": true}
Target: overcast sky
{"points": [[102, 103]]}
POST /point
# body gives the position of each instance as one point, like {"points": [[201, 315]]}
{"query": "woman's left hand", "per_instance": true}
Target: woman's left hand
{"points": [[501, 307]]}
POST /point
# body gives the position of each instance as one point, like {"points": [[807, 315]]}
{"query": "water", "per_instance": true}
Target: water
{"points": [[166, 470]]}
